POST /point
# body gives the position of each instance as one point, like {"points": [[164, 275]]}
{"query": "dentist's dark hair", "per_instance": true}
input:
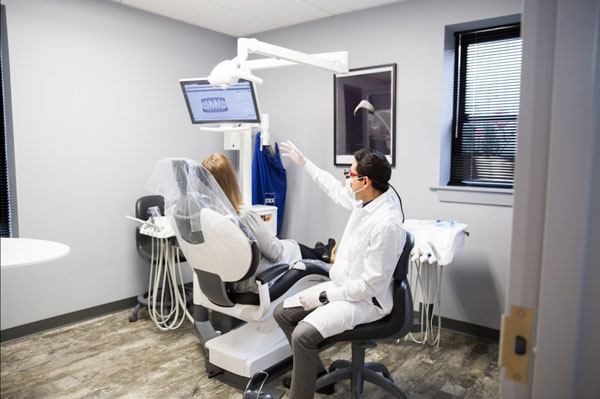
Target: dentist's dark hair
{"points": [[374, 165]]}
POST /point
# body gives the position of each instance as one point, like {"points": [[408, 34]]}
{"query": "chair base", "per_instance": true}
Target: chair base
{"points": [[250, 348], [239, 381], [358, 371]]}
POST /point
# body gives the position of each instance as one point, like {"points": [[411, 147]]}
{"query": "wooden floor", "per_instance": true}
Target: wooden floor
{"points": [[110, 357]]}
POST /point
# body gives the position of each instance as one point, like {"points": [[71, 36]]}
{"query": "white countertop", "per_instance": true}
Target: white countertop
{"points": [[17, 252]]}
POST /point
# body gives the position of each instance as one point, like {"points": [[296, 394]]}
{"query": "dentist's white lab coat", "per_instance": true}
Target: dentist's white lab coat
{"points": [[365, 260]]}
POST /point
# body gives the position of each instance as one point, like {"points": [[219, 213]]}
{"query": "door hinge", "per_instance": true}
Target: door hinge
{"points": [[515, 343]]}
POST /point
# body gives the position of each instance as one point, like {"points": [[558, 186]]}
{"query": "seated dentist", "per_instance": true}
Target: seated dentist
{"points": [[360, 290], [273, 250]]}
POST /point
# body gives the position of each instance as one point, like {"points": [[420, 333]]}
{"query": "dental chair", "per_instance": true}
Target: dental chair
{"points": [[226, 256], [221, 251], [393, 326]]}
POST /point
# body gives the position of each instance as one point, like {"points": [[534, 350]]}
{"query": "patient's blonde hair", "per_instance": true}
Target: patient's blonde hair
{"points": [[222, 170]]}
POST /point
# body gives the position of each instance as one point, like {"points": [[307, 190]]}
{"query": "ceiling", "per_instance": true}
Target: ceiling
{"points": [[246, 17]]}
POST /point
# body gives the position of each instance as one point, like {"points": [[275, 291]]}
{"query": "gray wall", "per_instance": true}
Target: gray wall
{"points": [[300, 101], [96, 102]]}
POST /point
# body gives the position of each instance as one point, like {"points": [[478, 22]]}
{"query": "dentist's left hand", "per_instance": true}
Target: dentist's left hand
{"points": [[288, 149], [309, 301]]}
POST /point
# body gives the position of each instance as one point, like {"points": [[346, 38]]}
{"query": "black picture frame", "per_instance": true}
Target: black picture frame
{"points": [[372, 125]]}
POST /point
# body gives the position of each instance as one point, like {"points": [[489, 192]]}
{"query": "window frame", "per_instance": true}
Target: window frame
{"points": [[463, 39]]}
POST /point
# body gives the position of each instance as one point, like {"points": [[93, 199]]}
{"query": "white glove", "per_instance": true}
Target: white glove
{"points": [[310, 301], [288, 149]]}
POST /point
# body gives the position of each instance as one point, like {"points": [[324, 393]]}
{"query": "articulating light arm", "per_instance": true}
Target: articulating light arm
{"points": [[229, 72]]}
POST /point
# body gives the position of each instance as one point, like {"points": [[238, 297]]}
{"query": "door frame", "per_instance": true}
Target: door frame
{"points": [[554, 253]]}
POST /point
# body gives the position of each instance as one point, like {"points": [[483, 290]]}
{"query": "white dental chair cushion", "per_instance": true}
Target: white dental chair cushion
{"points": [[224, 249]]}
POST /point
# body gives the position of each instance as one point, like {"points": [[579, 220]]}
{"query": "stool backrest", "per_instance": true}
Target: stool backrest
{"points": [[402, 265], [144, 242]]}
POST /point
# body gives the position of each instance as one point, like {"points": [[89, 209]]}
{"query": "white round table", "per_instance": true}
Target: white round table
{"points": [[17, 252]]}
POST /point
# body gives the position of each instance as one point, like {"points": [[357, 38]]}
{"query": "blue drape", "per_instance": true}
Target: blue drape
{"points": [[269, 181]]}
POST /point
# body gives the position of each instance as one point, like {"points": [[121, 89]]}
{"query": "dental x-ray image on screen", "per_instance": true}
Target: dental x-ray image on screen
{"points": [[210, 105]]}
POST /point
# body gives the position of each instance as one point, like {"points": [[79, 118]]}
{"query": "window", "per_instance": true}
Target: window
{"points": [[486, 107], [7, 183]]}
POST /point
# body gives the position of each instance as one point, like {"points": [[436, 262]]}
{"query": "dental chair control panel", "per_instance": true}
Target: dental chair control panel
{"points": [[158, 227]]}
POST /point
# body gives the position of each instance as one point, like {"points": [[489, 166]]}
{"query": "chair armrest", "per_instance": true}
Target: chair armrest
{"points": [[292, 276], [272, 272]]}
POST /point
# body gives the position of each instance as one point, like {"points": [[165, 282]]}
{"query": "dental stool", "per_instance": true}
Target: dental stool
{"points": [[143, 244], [393, 326], [221, 254]]}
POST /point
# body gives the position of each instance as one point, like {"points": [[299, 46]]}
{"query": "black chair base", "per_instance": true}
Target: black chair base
{"points": [[358, 371]]}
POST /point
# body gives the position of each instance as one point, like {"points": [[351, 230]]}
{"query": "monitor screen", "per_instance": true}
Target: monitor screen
{"points": [[207, 104]]}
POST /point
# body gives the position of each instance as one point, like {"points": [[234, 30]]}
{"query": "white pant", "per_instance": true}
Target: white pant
{"points": [[339, 316]]}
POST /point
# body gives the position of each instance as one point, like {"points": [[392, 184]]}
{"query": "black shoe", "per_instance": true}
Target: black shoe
{"points": [[329, 255], [319, 244], [326, 390]]}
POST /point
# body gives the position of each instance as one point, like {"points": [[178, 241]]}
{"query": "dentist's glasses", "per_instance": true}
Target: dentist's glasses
{"points": [[349, 174]]}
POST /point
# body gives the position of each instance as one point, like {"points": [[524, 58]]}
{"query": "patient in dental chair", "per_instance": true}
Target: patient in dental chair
{"points": [[273, 250]]}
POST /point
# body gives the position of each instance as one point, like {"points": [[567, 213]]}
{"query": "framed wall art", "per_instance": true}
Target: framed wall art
{"points": [[365, 112]]}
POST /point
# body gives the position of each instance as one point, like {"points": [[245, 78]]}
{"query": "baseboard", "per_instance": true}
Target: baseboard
{"points": [[52, 323], [466, 328], [63, 320], [471, 329]]}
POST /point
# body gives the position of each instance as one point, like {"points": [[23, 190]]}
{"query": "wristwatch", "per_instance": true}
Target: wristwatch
{"points": [[323, 298]]}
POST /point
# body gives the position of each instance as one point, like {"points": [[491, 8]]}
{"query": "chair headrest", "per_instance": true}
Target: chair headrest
{"points": [[402, 265], [210, 233]]}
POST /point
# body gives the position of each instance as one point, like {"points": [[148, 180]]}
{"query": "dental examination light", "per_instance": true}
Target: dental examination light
{"points": [[369, 107], [228, 72]]}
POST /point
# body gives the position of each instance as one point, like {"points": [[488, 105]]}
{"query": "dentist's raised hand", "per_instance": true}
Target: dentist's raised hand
{"points": [[289, 150]]}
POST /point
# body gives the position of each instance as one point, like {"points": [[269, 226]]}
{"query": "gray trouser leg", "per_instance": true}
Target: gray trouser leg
{"points": [[303, 338]]}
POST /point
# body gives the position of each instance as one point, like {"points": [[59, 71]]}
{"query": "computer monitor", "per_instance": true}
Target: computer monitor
{"points": [[210, 105]]}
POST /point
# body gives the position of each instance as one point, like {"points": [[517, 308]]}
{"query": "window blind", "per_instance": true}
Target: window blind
{"points": [[4, 194], [7, 197], [486, 107]]}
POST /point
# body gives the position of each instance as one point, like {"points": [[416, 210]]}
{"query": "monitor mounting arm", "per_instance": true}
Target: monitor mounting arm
{"points": [[228, 72]]}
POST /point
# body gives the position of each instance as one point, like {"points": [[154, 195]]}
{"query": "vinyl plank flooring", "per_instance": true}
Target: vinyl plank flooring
{"points": [[109, 357]]}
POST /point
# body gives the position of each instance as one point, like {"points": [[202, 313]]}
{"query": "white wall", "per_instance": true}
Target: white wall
{"points": [[300, 101], [96, 102]]}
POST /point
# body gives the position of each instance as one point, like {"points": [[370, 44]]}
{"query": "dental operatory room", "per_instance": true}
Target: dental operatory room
{"points": [[265, 199]]}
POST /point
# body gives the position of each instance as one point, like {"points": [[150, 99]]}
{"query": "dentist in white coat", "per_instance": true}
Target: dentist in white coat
{"points": [[360, 290]]}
